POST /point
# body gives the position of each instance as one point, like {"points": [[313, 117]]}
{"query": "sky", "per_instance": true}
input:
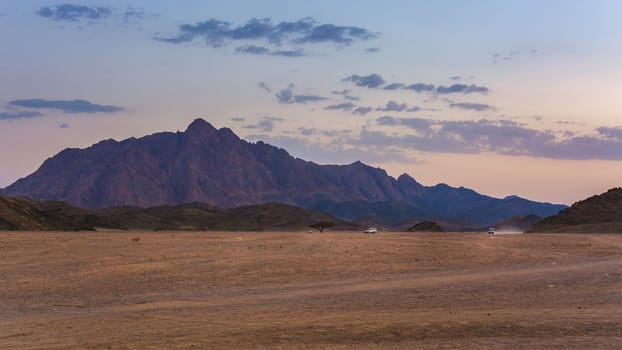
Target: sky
{"points": [[503, 97]]}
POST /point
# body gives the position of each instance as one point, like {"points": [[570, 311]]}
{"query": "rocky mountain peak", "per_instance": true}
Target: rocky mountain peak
{"points": [[200, 126]]}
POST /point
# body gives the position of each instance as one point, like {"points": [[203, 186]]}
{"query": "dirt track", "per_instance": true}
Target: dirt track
{"points": [[297, 290]]}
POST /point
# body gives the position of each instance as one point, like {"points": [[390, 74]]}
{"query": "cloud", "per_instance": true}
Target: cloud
{"points": [[307, 131], [66, 106], [342, 92], [307, 98], [266, 124], [216, 33], [375, 80], [394, 86], [132, 14], [362, 110], [499, 136], [337, 152], [346, 95], [462, 88], [371, 81], [19, 115], [472, 106], [64, 126], [261, 50], [419, 124], [346, 106], [372, 50], [74, 13], [506, 57], [611, 133], [336, 34], [287, 96], [264, 86], [393, 106], [420, 87], [455, 77]]}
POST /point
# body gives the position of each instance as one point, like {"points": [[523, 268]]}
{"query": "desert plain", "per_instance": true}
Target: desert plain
{"points": [[299, 290]]}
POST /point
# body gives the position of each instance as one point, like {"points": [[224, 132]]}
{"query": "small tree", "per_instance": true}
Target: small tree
{"points": [[321, 225]]}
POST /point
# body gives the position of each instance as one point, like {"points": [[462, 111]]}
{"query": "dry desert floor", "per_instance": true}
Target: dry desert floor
{"points": [[295, 290]]}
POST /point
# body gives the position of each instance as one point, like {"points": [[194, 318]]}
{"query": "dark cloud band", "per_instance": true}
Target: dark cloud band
{"points": [[217, 33], [375, 80], [19, 115], [74, 13], [499, 136], [66, 106]]}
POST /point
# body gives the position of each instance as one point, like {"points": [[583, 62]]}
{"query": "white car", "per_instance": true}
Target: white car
{"points": [[491, 231], [371, 230]]}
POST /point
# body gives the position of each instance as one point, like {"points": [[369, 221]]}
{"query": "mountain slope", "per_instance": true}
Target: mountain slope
{"points": [[601, 213], [23, 214], [204, 164]]}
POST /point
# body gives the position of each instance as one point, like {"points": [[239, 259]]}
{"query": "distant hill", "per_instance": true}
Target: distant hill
{"points": [[518, 223], [426, 226], [209, 165], [22, 214], [597, 214]]}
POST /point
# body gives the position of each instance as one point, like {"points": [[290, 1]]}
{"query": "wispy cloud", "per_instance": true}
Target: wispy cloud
{"points": [[498, 136], [462, 88], [346, 106], [74, 13], [264, 51], [420, 87], [393, 106], [362, 110], [132, 15], [66, 106], [375, 80], [266, 124], [287, 96], [92, 15], [217, 33], [264, 86], [480, 107], [333, 33], [371, 81], [19, 115], [345, 94]]}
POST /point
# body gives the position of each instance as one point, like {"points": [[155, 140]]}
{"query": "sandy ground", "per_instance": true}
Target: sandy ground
{"points": [[214, 290]]}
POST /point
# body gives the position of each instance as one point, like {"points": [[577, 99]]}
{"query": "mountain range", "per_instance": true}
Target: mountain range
{"points": [[214, 166]]}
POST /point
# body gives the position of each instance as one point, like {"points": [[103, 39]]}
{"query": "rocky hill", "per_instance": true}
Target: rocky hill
{"points": [[205, 164], [597, 214], [22, 214]]}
